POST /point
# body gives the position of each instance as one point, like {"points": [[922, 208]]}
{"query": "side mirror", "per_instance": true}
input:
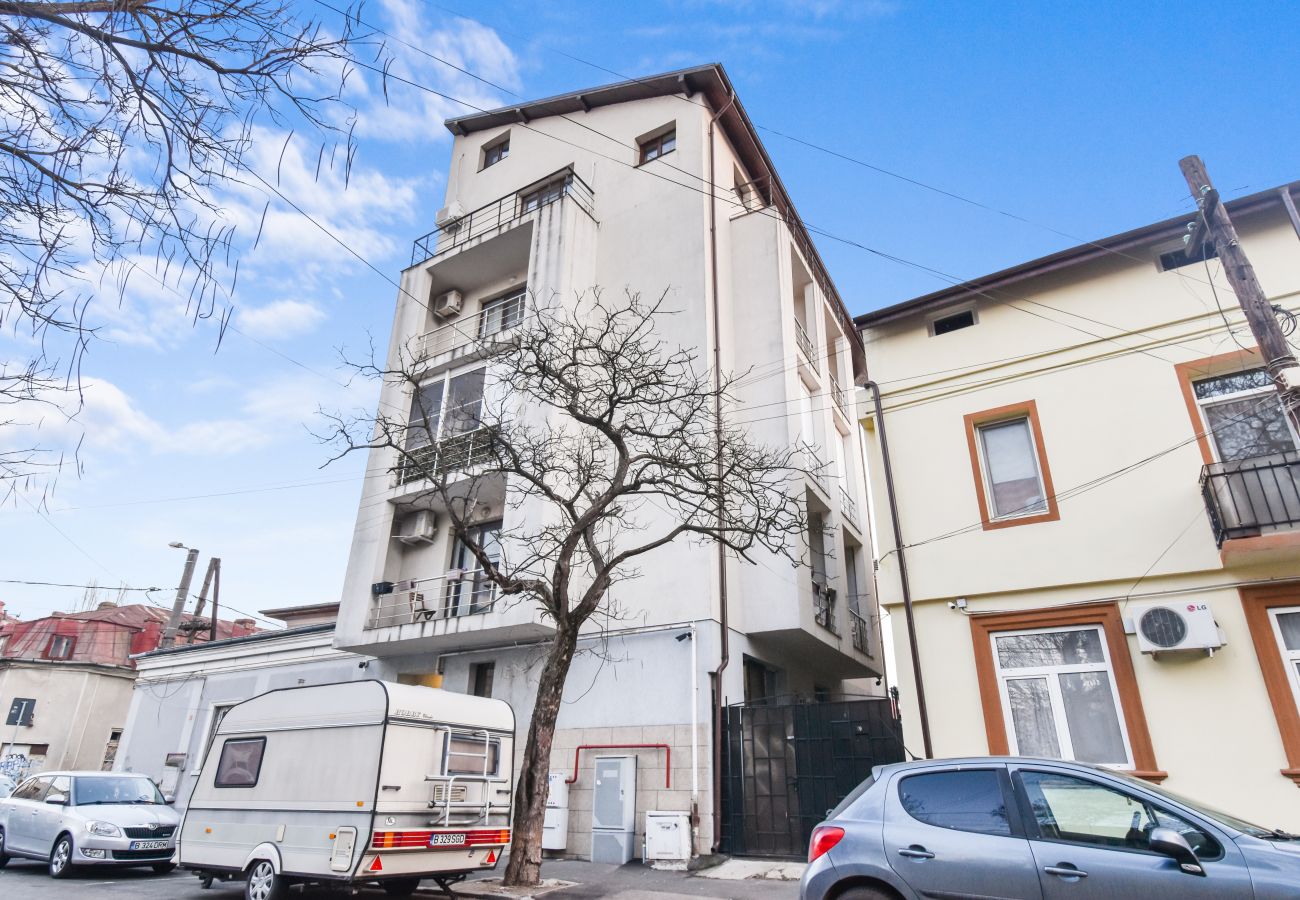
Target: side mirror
{"points": [[57, 799], [169, 799], [1168, 842]]}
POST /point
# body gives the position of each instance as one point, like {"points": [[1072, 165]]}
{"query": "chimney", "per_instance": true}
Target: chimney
{"points": [[243, 627], [105, 604]]}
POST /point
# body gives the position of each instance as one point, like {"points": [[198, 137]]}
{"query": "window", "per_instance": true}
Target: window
{"points": [[954, 322], [60, 786], [110, 749], [1243, 415], [1286, 623], [970, 800], [502, 313], [60, 647], [444, 408], [1059, 695], [480, 679], [547, 193], [32, 789], [1012, 481], [470, 591], [1177, 258], [657, 146], [241, 762], [496, 151], [96, 789], [1078, 811], [470, 754], [1273, 617]]}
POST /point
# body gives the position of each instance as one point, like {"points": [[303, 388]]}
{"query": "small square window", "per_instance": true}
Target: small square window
{"points": [[481, 676], [496, 151], [60, 647], [471, 754], [657, 146], [240, 763]]}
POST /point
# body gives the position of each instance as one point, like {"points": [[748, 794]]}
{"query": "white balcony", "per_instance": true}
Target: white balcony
{"points": [[470, 335]]}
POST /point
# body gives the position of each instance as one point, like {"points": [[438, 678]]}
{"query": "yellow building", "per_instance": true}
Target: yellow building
{"points": [[1090, 467]]}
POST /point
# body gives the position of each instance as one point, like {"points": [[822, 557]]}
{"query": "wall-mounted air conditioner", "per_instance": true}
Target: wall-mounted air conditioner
{"points": [[1175, 626], [449, 215], [419, 527], [447, 304]]}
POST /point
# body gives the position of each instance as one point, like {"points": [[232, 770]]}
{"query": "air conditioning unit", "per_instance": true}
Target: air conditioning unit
{"points": [[1176, 626], [419, 527], [447, 304], [450, 215]]}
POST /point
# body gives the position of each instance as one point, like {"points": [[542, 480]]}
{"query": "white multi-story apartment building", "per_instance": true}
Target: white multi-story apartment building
{"points": [[655, 185]]}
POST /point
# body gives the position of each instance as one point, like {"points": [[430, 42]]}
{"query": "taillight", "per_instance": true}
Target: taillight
{"points": [[824, 837]]}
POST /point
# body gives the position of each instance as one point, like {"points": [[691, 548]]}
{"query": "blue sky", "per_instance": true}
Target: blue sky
{"points": [[1070, 115]]}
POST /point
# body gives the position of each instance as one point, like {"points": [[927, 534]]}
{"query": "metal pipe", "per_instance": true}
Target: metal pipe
{"points": [[668, 757], [902, 570]]}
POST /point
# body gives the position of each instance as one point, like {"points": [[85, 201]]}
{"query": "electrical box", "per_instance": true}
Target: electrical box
{"points": [[667, 836], [555, 823], [613, 810], [1175, 625]]}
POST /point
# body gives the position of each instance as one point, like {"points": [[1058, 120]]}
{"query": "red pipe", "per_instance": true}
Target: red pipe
{"points": [[668, 757]]}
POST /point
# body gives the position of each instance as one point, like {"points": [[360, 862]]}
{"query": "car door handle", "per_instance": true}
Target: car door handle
{"points": [[1065, 871], [916, 851]]}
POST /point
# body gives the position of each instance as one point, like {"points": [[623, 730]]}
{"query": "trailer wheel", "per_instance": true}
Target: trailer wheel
{"points": [[400, 887], [263, 883], [205, 882]]}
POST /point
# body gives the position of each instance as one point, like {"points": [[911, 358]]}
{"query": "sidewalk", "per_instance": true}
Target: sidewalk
{"points": [[635, 881]]}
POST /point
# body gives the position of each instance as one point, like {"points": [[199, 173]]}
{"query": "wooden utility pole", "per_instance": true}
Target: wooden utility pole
{"points": [[1215, 226], [203, 598]]}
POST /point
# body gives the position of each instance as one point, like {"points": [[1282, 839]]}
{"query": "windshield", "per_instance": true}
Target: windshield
{"points": [[1208, 811], [105, 789]]}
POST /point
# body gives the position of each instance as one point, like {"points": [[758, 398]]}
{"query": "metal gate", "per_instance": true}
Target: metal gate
{"points": [[785, 763]]}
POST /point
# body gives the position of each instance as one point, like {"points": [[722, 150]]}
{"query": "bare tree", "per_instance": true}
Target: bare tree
{"points": [[119, 119], [609, 444]]}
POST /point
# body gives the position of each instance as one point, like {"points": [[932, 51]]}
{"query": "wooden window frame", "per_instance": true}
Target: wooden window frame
{"points": [[974, 421], [498, 143], [1256, 602], [49, 646], [1106, 615], [655, 140]]}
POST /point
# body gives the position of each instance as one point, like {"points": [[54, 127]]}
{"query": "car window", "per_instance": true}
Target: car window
{"points": [[966, 800], [1081, 811], [61, 784], [32, 789]]}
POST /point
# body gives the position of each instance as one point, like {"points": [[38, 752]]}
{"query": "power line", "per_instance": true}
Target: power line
{"points": [[87, 587]]}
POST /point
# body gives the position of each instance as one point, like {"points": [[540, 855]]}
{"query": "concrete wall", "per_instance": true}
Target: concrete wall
{"points": [[77, 710]]}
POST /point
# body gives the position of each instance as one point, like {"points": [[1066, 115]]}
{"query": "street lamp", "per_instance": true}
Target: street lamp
{"points": [[178, 608]]}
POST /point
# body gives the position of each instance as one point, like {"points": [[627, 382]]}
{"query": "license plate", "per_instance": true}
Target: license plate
{"points": [[149, 845], [443, 840]]}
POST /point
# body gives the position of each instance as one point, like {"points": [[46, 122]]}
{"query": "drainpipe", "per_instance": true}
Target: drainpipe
{"points": [[723, 635], [695, 743], [902, 571]]}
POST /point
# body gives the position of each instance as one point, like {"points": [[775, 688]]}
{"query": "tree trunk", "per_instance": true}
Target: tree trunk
{"points": [[525, 866]]}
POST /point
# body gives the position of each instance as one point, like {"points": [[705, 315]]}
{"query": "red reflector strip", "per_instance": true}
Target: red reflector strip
{"points": [[397, 840], [487, 838], [413, 840]]}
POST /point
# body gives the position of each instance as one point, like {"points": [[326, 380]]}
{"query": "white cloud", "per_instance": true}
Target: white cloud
{"points": [[280, 319]]}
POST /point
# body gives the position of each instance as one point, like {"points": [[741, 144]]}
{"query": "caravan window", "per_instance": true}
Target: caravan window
{"points": [[464, 755], [241, 762]]}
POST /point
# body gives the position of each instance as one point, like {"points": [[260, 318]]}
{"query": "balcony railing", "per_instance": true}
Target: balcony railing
{"points": [[464, 336], [848, 507], [452, 595], [812, 461], [1250, 497], [860, 630], [805, 343], [454, 454], [824, 606], [841, 399], [504, 211]]}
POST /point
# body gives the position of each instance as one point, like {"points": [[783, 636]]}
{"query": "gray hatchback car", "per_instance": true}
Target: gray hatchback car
{"points": [[1037, 829]]}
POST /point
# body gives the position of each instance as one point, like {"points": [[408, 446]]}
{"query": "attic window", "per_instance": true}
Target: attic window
{"points": [[60, 647], [496, 151], [1179, 257], [658, 145], [954, 322]]}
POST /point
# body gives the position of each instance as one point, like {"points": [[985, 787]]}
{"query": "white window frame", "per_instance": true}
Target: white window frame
{"points": [[1035, 451], [501, 146], [446, 378], [1048, 674], [1227, 398], [514, 295], [1290, 658]]}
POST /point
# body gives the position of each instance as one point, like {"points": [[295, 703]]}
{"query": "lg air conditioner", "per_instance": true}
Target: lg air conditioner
{"points": [[419, 527], [1175, 626], [450, 215], [447, 304]]}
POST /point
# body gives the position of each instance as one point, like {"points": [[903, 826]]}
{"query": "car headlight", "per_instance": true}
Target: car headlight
{"points": [[104, 829]]}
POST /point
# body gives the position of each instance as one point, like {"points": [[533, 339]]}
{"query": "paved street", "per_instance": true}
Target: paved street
{"points": [[23, 880]]}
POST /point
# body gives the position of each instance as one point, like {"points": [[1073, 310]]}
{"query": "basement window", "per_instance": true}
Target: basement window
{"points": [[1179, 257], [953, 322]]}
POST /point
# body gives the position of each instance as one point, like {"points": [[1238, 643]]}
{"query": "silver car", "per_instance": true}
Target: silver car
{"points": [[75, 819], [1038, 829], [7, 785]]}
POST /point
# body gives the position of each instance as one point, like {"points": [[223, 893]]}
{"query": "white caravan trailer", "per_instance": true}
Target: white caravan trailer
{"points": [[350, 783]]}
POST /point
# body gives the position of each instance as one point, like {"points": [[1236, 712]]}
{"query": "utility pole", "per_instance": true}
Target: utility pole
{"points": [[178, 608], [216, 597], [202, 600], [1214, 225]]}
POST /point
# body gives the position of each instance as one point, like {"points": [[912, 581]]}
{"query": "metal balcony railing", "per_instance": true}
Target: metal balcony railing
{"points": [[454, 454], [841, 399], [451, 595], [464, 336], [1250, 497], [805, 342], [504, 211], [859, 628], [816, 467], [824, 606], [848, 507]]}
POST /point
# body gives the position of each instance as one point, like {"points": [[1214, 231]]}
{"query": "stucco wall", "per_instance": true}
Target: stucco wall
{"points": [[77, 709]]}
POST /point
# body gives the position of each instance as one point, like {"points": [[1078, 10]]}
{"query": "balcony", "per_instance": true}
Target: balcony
{"points": [[503, 213], [449, 596], [816, 467], [824, 606], [859, 629], [454, 454], [1252, 497], [849, 509], [470, 334]]}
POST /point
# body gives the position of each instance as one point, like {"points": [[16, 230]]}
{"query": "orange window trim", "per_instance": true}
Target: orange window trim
{"points": [[1028, 409], [1256, 603], [1206, 367], [984, 625]]}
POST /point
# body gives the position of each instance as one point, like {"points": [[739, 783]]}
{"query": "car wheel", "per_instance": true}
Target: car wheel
{"points": [[61, 858], [4, 857], [163, 868], [400, 887], [866, 893], [263, 883]]}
